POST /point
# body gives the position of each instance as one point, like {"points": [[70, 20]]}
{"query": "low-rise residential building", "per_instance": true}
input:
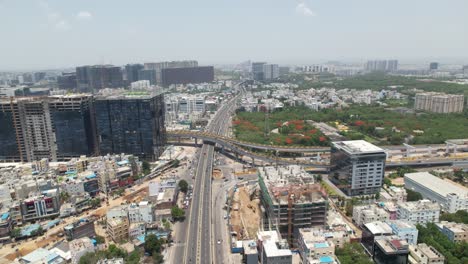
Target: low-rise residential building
{"points": [[41, 206], [455, 232], [143, 212], [390, 250], [419, 212], [81, 228], [43, 256], [424, 254], [79, 247], [135, 230], [373, 231], [405, 231], [451, 197], [315, 247], [250, 252], [117, 228], [6, 225], [273, 249], [364, 214], [393, 194]]}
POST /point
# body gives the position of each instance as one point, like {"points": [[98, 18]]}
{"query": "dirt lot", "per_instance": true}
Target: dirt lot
{"points": [[245, 216], [398, 181], [217, 174]]}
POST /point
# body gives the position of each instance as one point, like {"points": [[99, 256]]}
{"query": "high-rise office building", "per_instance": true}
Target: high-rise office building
{"points": [[270, 71], [56, 128], [73, 125], [67, 81], [97, 77], [392, 65], [131, 72], [147, 75], [130, 124], [357, 167], [257, 71], [382, 65], [202, 74], [433, 66], [39, 76], [157, 67]]}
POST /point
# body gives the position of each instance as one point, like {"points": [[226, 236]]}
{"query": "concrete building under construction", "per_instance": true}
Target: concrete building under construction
{"points": [[53, 127], [291, 200]]}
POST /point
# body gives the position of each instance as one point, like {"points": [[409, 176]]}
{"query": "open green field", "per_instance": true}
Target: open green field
{"points": [[373, 123], [290, 129]]}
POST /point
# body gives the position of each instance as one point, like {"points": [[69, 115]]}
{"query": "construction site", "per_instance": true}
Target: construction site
{"points": [[290, 199], [245, 214]]}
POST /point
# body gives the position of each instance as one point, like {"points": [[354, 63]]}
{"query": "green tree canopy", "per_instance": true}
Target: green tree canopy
{"points": [[177, 213], [183, 185]]}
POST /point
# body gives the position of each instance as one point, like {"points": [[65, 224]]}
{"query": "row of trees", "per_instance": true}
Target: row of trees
{"points": [[352, 253], [458, 217], [455, 253], [112, 252]]}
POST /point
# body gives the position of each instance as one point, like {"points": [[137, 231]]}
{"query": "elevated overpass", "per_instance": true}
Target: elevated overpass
{"points": [[239, 149], [229, 142]]}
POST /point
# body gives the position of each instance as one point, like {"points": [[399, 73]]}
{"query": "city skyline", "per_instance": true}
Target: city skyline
{"points": [[298, 32]]}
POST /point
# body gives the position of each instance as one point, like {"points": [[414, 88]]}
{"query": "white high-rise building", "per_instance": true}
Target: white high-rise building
{"points": [[357, 167]]}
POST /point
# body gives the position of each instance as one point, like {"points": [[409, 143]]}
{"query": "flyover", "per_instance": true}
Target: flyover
{"points": [[229, 142]]}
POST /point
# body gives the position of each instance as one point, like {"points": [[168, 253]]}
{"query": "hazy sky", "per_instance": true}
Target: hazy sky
{"points": [[60, 33]]}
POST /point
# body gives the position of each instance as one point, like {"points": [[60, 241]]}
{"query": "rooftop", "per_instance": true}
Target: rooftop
{"points": [[422, 205], [81, 244], [437, 184], [392, 245], [357, 147], [401, 225], [273, 245], [42, 255], [378, 228], [429, 251], [290, 181]]}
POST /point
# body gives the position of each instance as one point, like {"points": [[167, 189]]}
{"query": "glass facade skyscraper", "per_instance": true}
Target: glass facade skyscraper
{"points": [[9, 147], [130, 124], [73, 126], [62, 127]]}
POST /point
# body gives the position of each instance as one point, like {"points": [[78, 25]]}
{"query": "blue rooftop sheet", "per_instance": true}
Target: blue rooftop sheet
{"points": [[91, 176], [123, 162], [5, 216], [52, 223], [70, 172], [141, 238], [326, 259], [29, 229]]}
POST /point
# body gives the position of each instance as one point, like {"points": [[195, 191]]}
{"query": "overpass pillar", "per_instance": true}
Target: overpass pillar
{"points": [[196, 141], [253, 161]]}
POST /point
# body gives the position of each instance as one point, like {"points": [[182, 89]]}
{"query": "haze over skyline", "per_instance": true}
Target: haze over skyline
{"points": [[55, 34]]}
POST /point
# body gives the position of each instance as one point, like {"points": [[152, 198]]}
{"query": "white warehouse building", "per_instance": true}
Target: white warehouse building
{"points": [[450, 196]]}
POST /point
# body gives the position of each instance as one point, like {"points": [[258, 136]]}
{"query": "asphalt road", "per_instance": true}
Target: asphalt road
{"points": [[199, 242]]}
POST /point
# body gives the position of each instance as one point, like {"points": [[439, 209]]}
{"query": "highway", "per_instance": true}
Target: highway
{"points": [[200, 242]]}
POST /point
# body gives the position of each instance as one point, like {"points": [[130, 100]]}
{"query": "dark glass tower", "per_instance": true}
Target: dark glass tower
{"points": [[130, 124], [9, 147], [73, 125]]}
